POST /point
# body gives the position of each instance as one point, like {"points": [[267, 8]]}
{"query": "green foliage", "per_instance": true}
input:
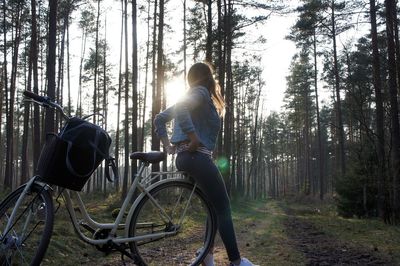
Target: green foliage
{"points": [[357, 189]]}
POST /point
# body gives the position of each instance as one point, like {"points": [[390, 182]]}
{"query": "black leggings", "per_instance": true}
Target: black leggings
{"points": [[201, 167]]}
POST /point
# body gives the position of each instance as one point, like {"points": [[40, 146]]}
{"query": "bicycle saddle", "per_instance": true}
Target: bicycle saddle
{"points": [[149, 157]]}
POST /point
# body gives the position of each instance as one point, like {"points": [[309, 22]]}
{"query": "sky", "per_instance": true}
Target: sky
{"points": [[277, 58]]}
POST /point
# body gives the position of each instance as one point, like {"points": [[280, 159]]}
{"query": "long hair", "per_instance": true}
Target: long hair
{"points": [[201, 74]]}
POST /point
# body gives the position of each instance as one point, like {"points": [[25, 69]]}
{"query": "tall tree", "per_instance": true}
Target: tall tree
{"points": [[134, 83], [9, 171], [36, 114], [86, 24], [126, 98], [95, 81], [380, 141], [390, 13], [119, 94], [155, 143], [51, 63], [5, 82], [146, 76], [228, 94], [304, 33], [209, 40], [337, 90]]}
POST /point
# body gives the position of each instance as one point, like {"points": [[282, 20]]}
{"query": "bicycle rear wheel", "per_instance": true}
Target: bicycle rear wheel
{"points": [[25, 243], [192, 232]]}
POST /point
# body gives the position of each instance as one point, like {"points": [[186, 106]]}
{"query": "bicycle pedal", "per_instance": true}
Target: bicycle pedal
{"points": [[87, 227]]}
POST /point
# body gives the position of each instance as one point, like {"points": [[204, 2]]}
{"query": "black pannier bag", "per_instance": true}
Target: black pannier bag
{"points": [[69, 158]]}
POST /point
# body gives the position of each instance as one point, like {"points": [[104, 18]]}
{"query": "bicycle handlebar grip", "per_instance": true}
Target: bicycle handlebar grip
{"points": [[35, 97]]}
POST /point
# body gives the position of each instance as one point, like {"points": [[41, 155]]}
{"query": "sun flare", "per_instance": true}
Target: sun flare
{"points": [[174, 89]]}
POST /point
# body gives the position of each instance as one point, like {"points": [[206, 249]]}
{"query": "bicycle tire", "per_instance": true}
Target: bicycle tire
{"points": [[27, 241], [195, 237]]}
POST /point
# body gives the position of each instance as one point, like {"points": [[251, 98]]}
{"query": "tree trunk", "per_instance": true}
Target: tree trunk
{"points": [[68, 69], [321, 158], [155, 143], [25, 134], [160, 78], [209, 32], [142, 141], [60, 77], [394, 113], [96, 88], [228, 95], [105, 93], [5, 85], [380, 135], [9, 174], [83, 51], [184, 43], [51, 64], [96, 63], [338, 101], [126, 98], [134, 85], [221, 66], [160, 71], [36, 113], [117, 137]]}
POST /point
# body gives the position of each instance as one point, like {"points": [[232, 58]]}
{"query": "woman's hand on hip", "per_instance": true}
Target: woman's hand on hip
{"points": [[170, 149], [194, 142]]}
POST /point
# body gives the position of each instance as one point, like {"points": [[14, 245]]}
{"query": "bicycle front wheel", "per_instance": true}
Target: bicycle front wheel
{"points": [[25, 243], [181, 212]]}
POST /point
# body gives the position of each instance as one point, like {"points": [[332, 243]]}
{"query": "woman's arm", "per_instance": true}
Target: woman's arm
{"points": [[161, 130]]}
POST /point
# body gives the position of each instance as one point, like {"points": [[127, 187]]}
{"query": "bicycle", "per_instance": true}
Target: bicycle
{"points": [[169, 223]]}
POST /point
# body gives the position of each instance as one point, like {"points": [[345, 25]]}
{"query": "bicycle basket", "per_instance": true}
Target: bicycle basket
{"points": [[69, 159]]}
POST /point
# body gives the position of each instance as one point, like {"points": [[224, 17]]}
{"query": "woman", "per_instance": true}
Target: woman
{"points": [[196, 127]]}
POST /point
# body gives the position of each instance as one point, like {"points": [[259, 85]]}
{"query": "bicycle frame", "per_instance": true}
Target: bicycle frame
{"points": [[18, 203], [113, 227], [141, 183]]}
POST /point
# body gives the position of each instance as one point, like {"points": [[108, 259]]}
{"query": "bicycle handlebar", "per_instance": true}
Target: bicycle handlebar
{"points": [[36, 97], [46, 102]]}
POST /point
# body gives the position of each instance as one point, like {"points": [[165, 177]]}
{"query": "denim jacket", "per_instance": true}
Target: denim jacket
{"points": [[194, 113]]}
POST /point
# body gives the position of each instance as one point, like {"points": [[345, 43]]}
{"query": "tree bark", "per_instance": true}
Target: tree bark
{"points": [[184, 43], [51, 64], [209, 40], [117, 134], [9, 171], [337, 90], [142, 141], [380, 136], [320, 155], [5, 85], [221, 66], [126, 98], [394, 112], [228, 121], [160, 70], [134, 84], [155, 143]]}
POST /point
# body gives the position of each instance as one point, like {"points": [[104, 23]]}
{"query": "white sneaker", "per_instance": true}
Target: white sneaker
{"points": [[244, 262], [208, 260]]}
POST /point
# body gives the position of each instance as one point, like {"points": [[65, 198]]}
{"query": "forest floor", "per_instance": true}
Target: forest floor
{"points": [[269, 232]]}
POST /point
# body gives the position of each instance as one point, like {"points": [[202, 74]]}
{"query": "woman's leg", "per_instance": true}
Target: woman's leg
{"points": [[203, 170]]}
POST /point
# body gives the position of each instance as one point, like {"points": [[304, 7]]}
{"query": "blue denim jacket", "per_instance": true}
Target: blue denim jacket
{"points": [[195, 112]]}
